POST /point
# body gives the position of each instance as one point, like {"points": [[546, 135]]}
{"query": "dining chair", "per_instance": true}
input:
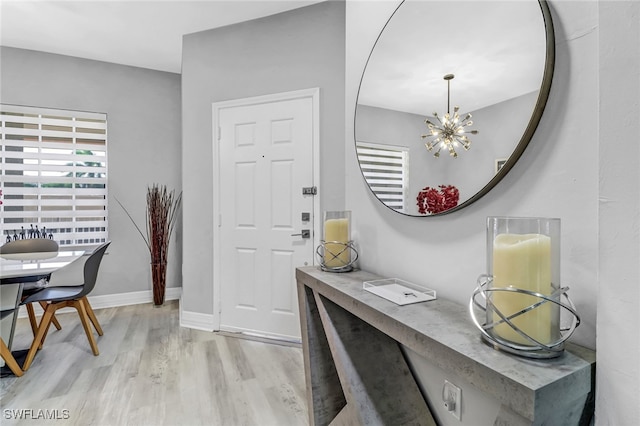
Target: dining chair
{"points": [[69, 287], [9, 301], [31, 284]]}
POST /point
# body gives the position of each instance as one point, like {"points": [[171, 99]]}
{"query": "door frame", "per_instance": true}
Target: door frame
{"points": [[314, 95]]}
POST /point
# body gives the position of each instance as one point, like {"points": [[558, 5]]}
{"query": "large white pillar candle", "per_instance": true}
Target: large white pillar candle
{"points": [[523, 261]]}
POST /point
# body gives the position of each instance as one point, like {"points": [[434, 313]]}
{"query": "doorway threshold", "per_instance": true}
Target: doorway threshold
{"points": [[297, 343]]}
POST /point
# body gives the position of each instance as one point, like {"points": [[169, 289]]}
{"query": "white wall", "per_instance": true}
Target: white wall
{"points": [[618, 344], [563, 173]]}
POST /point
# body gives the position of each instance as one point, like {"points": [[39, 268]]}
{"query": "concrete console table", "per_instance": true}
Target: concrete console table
{"points": [[358, 371]]}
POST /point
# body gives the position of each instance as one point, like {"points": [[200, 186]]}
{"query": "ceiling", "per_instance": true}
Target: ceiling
{"points": [[495, 49], [141, 33]]}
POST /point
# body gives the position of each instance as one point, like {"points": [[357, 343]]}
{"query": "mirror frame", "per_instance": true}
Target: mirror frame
{"points": [[541, 102]]}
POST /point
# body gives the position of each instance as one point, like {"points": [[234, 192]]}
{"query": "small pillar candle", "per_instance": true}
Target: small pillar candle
{"points": [[337, 237]]}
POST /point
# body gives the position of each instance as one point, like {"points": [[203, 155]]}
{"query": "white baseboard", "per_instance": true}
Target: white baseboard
{"points": [[115, 300], [196, 320]]}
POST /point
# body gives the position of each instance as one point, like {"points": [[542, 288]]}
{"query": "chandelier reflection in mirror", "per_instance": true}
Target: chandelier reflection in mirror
{"points": [[451, 132]]}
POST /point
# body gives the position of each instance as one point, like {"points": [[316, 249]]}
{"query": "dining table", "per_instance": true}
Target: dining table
{"points": [[16, 267]]}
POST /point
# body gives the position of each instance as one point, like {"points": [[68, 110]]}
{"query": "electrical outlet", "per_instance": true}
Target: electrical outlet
{"points": [[452, 397]]}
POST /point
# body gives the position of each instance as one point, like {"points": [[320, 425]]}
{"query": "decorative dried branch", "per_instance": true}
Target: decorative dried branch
{"points": [[134, 223], [162, 209]]}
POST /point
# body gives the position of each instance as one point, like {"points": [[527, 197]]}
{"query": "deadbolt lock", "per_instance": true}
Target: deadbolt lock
{"points": [[310, 190]]}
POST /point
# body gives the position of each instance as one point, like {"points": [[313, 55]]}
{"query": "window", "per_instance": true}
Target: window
{"points": [[54, 174], [385, 168]]}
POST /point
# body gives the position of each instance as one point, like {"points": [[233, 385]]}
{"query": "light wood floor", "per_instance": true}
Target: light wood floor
{"points": [[150, 371]]}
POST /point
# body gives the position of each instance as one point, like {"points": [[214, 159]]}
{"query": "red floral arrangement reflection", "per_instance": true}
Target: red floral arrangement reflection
{"points": [[432, 200]]}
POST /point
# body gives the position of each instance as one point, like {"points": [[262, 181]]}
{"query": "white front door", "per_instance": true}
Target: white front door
{"points": [[265, 158]]}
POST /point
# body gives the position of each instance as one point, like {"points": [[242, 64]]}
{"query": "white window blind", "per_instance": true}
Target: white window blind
{"points": [[385, 168], [54, 173]]}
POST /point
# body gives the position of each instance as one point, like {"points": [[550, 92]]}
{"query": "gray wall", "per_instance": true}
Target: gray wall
{"points": [[300, 49], [143, 113]]}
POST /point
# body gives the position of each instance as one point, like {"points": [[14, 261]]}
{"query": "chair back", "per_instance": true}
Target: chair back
{"points": [[29, 245], [91, 269], [9, 302]]}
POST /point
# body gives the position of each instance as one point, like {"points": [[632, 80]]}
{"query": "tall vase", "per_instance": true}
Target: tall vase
{"points": [[159, 279]]}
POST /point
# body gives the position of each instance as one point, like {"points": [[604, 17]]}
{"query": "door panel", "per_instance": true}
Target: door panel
{"points": [[245, 184], [245, 274]]}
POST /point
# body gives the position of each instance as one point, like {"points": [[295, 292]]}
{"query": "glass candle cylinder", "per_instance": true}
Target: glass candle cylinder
{"points": [[523, 253], [337, 236]]}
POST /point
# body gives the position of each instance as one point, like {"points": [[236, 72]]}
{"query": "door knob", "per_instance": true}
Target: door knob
{"points": [[305, 233]]}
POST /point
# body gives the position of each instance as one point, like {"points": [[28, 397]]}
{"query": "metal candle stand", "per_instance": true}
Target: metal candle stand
{"points": [[321, 250], [536, 349]]}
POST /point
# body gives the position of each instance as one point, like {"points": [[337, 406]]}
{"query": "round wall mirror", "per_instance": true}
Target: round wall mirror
{"points": [[450, 97]]}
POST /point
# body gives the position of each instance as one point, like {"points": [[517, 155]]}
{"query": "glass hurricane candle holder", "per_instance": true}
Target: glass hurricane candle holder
{"points": [[521, 291], [336, 251]]}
